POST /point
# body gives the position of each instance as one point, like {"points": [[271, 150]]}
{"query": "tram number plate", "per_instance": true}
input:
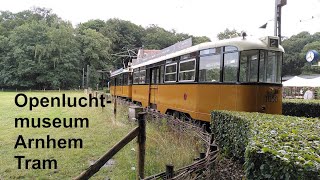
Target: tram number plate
{"points": [[271, 98]]}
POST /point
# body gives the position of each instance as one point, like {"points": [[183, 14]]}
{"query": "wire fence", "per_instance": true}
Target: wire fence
{"points": [[203, 166]]}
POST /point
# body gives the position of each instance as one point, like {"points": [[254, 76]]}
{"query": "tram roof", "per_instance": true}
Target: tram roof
{"points": [[119, 71], [246, 43]]}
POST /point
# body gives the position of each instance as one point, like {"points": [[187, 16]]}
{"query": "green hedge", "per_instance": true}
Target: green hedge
{"points": [[301, 108], [272, 146]]}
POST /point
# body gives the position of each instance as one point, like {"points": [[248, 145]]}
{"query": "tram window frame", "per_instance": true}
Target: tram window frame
{"points": [[248, 72], [226, 52], [214, 53], [155, 75], [125, 79], [120, 79], [136, 76], [175, 73], [210, 51], [230, 49], [117, 80], [161, 80], [279, 71], [187, 71], [130, 78], [142, 75], [147, 78], [185, 57], [262, 60], [274, 67]]}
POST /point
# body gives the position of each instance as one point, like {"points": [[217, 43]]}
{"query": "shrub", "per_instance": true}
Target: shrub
{"points": [[301, 108], [272, 146]]}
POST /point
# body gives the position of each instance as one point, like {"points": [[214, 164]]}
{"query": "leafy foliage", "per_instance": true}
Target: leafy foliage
{"points": [[301, 108], [296, 47], [227, 34], [159, 38], [273, 146], [39, 50]]}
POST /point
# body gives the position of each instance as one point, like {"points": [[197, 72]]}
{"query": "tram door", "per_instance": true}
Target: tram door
{"points": [[153, 88]]}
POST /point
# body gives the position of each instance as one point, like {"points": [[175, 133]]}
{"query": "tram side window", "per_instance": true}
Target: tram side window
{"points": [[209, 66], [136, 75], [129, 78], [171, 73], [272, 74], [262, 70], [142, 79], [230, 48], [125, 79], [230, 67], [120, 79], [249, 66], [210, 51], [161, 74], [155, 75], [117, 81], [147, 78], [187, 70], [270, 66], [186, 56]]}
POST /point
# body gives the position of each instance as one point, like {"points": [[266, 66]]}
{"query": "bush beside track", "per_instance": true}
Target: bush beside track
{"points": [[301, 108], [272, 146]]}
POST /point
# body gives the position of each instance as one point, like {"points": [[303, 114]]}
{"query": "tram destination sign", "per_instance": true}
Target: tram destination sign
{"points": [[168, 50]]}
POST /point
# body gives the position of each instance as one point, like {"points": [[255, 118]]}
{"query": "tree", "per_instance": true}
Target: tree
{"points": [[123, 35], [292, 59], [227, 34], [41, 51], [63, 53], [200, 39], [96, 25], [95, 52], [4, 61], [159, 38]]}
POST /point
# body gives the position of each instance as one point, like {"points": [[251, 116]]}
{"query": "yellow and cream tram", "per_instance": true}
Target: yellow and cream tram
{"points": [[239, 74], [121, 81]]}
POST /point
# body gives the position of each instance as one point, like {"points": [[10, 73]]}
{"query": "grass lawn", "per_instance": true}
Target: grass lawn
{"points": [[163, 146]]}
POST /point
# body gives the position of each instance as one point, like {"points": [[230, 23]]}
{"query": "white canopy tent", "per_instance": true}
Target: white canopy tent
{"points": [[315, 82], [302, 82]]}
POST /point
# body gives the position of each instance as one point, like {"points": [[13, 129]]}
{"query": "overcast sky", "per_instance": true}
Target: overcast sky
{"points": [[196, 17]]}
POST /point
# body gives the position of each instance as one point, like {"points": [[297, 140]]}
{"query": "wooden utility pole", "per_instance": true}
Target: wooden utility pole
{"points": [[88, 72], [169, 171], [83, 78], [141, 144]]}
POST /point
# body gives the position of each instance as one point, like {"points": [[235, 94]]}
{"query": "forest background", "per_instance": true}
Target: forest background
{"points": [[39, 50]]}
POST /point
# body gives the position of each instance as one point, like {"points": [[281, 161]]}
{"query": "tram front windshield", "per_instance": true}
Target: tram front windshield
{"points": [[260, 66]]}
